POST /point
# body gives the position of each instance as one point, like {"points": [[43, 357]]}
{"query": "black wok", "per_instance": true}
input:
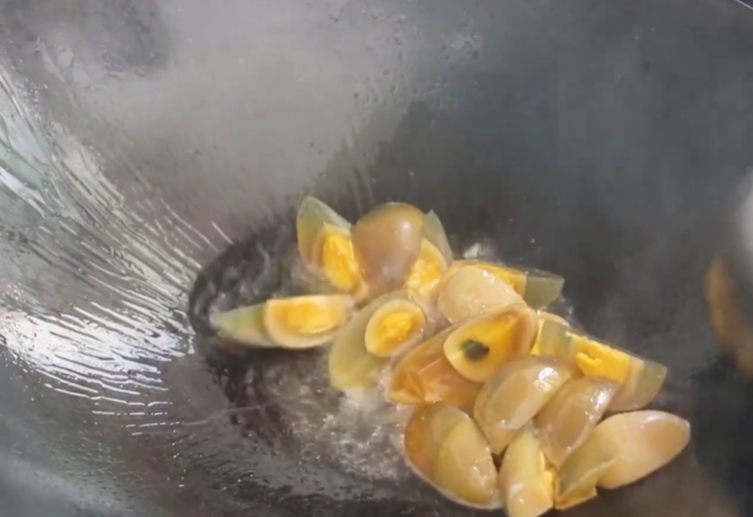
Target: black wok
{"points": [[604, 141]]}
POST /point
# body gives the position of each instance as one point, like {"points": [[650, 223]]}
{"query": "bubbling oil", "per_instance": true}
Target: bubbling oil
{"points": [[359, 433]]}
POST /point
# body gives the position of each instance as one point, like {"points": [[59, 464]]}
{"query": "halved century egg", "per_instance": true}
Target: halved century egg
{"points": [[325, 249], [646, 441], [470, 291], [426, 273], [446, 448], [433, 259], [333, 258], [297, 322], [640, 379], [306, 321], [538, 288], [424, 375], [570, 416], [313, 215], [579, 475], [515, 394], [386, 243], [479, 347], [526, 479], [425, 431], [351, 365], [622, 449], [434, 233], [398, 324]]}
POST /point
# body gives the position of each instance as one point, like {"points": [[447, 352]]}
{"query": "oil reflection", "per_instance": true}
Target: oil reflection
{"points": [[91, 311]]}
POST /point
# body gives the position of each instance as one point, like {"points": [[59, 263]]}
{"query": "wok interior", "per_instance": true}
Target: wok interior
{"points": [[597, 140]]}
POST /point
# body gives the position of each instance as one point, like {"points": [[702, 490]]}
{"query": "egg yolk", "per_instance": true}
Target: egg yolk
{"points": [[338, 261], [310, 317], [394, 329], [596, 359], [426, 272], [506, 334]]}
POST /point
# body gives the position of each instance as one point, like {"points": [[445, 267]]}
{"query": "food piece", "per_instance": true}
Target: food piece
{"points": [[525, 479], [471, 291], [538, 288], [387, 242], [397, 325], [577, 479], [646, 441], [515, 394], [313, 216], [244, 325], [298, 322], [434, 233], [464, 469], [333, 258], [426, 274], [640, 379], [545, 341], [306, 321], [425, 431], [479, 347], [622, 449], [444, 446], [567, 420], [644, 381], [350, 364], [424, 375]]}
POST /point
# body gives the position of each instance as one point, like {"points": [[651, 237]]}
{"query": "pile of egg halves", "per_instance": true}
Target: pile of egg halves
{"points": [[514, 408]]}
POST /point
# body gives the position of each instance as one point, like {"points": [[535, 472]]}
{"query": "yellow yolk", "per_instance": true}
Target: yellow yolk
{"points": [[309, 317], [395, 325], [338, 262], [426, 272], [596, 359], [505, 334]]}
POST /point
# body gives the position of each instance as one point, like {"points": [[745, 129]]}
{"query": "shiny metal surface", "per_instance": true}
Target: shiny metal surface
{"points": [[600, 140]]}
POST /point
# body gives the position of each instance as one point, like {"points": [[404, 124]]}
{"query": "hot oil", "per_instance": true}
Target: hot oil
{"points": [[359, 433]]}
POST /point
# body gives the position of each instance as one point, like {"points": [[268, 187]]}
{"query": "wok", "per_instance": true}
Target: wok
{"points": [[604, 141]]}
